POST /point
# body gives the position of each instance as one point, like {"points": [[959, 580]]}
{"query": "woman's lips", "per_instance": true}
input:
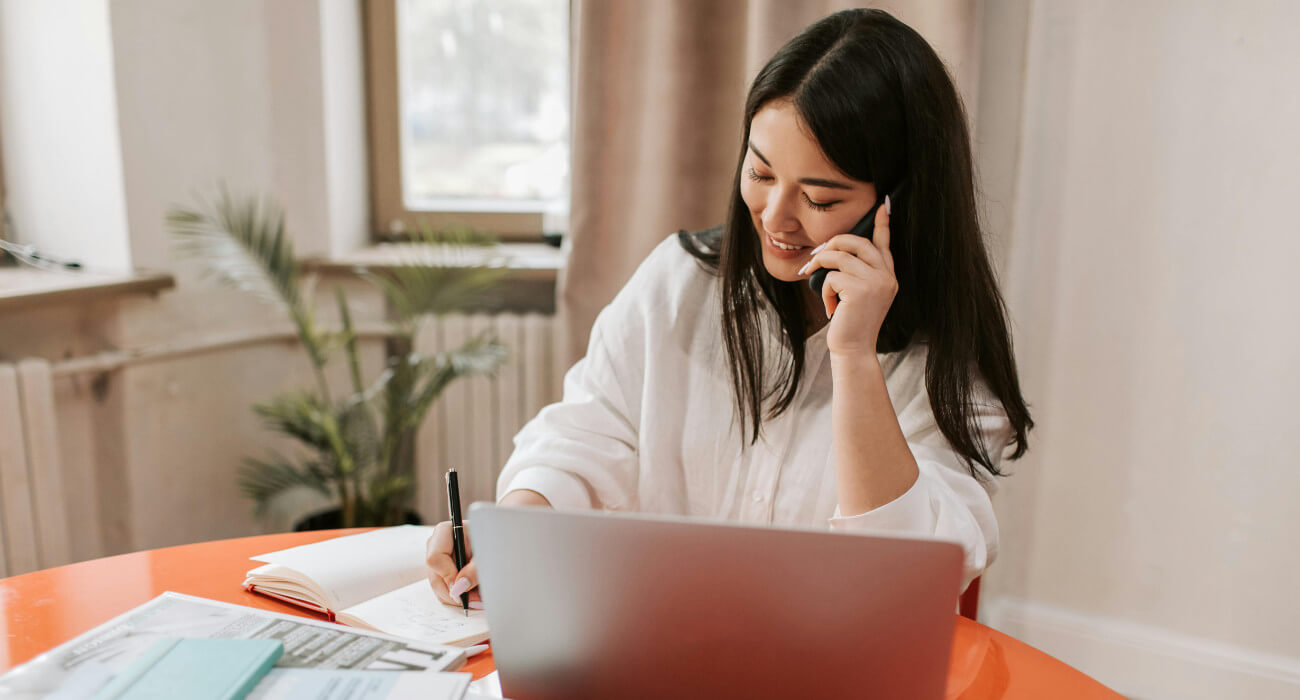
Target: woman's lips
{"points": [[770, 244]]}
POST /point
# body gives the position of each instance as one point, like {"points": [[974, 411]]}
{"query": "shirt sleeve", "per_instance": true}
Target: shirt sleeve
{"points": [[946, 501], [583, 452]]}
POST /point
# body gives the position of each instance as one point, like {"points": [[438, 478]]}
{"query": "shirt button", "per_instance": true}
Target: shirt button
{"points": [[758, 498]]}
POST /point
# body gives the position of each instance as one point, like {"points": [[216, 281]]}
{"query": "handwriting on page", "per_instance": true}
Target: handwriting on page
{"points": [[413, 611]]}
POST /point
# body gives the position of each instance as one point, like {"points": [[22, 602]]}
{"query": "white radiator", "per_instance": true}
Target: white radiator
{"points": [[33, 512], [472, 424]]}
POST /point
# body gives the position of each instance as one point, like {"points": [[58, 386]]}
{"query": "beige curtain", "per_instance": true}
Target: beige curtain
{"points": [[658, 92]]}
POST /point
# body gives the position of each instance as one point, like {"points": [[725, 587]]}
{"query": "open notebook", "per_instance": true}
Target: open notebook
{"points": [[375, 580]]}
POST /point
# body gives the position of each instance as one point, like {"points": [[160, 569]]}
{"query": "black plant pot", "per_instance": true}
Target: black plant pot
{"points": [[333, 519]]}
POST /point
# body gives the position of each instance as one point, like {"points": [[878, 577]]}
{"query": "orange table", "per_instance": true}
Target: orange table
{"points": [[45, 608]]}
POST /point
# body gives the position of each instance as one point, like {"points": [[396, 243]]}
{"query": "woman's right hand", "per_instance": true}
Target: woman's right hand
{"points": [[447, 581]]}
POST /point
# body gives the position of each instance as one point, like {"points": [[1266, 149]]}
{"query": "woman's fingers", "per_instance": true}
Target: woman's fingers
{"points": [[438, 553], [445, 596], [465, 581], [475, 600], [881, 234], [881, 237], [856, 266], [859, 260], [440, 542], [439, 587], [445, 579], [831, 292]]}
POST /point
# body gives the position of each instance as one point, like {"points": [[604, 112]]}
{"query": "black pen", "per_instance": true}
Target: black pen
{"points": [[457, 531]]}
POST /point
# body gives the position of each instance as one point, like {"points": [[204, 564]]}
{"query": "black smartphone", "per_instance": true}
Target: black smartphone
{"points": [[865, 227]]}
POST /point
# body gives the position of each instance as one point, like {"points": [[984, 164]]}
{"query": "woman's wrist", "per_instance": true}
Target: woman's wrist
{"points": [[873, 464], [854, 364]]}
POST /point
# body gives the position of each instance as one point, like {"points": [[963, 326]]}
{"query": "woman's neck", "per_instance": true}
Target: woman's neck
{"points": [[816, 311]]}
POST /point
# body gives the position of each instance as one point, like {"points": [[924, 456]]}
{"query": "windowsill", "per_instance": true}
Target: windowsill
{"points": [[528, 286], [22, 288], [526, 261]]}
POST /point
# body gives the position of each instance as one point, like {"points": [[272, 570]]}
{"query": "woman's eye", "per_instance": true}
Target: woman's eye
{"points": [[819, 206]]}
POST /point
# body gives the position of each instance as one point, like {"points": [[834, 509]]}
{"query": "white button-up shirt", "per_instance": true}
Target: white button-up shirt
{"points": [[646, 424]]}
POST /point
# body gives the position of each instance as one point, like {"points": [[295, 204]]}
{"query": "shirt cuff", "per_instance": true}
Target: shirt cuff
{"points": [[909, 513], [563, 490]]}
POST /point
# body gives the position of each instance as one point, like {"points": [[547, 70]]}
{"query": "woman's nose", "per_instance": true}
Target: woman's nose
{"points": [[778, 215]]}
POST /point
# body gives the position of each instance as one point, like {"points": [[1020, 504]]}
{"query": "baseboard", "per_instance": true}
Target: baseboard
{"points": [[1146, 662]]}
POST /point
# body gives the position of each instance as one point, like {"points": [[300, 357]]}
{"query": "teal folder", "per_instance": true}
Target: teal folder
{"points": [[199, 669]]}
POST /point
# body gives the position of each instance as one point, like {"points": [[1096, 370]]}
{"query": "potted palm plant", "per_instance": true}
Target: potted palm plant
{"points": [[358, 442]]}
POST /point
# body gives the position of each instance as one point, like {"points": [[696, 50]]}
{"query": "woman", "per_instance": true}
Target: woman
{"points": [[719, 384]]}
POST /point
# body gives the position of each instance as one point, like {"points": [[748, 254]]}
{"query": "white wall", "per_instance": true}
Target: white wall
{"points": [[63, 160], [265, 96], [201, 92], [1151, 536], [113, 111], [344, 111], [194, 93], [242, 86]]}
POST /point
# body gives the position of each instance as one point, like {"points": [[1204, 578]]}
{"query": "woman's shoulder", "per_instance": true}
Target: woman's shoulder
{"points": [[669, 291], [672, 272]]}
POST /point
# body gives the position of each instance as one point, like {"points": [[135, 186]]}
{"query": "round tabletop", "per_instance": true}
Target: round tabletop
{"points": [[46, 608]]}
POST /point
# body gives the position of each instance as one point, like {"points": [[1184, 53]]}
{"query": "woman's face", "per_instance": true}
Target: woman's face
{"points": [[794, 194]]}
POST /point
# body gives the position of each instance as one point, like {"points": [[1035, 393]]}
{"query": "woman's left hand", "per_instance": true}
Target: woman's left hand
{"points": [[859, 288]]}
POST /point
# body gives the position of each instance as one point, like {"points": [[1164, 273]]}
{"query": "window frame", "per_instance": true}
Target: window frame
{"points": [[389, 217]]}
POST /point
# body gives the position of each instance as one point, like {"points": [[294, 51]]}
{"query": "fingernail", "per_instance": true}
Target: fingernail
{"points": [[461, 585], [805, 267], [476, 605], [828, 314], [887, 210], [818, 249]]}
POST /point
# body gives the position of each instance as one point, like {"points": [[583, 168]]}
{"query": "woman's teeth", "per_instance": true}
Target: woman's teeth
{"points": [[783, 246]]}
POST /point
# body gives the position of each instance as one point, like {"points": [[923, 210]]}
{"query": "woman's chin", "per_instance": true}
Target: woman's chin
{"points": [[780, 269]]}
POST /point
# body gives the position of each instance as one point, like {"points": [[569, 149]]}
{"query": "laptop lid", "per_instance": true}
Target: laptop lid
{"points": [[591, 605]]}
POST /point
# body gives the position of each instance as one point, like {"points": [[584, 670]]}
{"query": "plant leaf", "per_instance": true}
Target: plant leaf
{"points": [[440, 272], [307, 418], [390, 487], [301, 415], [415, 291], [243, 243], [349, 341], [263, 479], [481, 355], [359, 433]]}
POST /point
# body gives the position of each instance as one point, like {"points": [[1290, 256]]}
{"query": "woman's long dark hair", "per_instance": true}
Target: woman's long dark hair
{"points": [[883, 108]]}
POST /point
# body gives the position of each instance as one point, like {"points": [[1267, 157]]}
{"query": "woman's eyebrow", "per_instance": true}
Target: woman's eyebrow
{"points": [[814, 181]]}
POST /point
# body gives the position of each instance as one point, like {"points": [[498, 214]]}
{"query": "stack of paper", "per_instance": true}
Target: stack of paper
{"points": [[316, 655]]}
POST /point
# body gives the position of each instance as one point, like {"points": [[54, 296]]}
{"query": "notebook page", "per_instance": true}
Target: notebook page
{"points": [[359, 567], [416, 613]]}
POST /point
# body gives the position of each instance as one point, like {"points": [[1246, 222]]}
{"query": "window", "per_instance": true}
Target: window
{"points": [[469, 113]]}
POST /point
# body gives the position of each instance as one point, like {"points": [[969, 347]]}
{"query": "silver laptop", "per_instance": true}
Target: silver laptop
{"points": [[615, 606]]}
